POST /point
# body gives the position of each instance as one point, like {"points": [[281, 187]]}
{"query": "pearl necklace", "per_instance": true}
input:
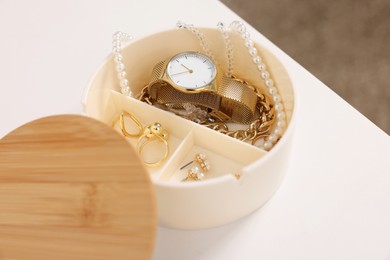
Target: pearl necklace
{"points": [[280, 123], [117, 40], [238, 27]]}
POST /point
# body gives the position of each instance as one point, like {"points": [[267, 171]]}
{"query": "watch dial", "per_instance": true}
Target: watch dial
{"points": [[191, 70]]}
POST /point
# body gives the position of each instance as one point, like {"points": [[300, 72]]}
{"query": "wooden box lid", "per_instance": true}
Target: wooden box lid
{"points": [[73, 188]]}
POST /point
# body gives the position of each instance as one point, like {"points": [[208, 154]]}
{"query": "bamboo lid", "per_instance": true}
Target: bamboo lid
{"points": [[72, 188]]}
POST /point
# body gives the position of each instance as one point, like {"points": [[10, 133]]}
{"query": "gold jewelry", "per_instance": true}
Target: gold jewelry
{"points": [[278, 117], [121, 120], [195, 173], [238, 27], [258, 128], [153, 132], [192, 77], [202, 160]]}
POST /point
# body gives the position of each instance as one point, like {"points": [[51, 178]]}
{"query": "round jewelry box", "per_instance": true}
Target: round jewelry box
{"points": [[242, 177]]}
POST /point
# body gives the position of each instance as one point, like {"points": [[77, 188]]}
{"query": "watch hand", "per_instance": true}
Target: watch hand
{"points": [[189, 70], [180, 73]]}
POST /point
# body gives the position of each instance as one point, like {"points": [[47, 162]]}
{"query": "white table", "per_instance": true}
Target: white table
{"points": [[335, 201]]}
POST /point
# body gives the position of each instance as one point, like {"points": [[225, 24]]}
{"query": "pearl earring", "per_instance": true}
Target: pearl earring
{"points": [[198, 173]]}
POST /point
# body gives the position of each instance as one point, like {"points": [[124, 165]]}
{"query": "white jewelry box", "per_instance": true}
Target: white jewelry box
{"points": [[242, 178]]}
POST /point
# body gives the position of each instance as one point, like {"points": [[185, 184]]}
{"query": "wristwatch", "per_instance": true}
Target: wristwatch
{"points": [[192, 77]]}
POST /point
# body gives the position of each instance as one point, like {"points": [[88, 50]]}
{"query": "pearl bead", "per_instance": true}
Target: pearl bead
{"points": [[126, 90], [116, 49], [264, 74], [267, 145], [272, 138], [280, 115], [281, 123], [278, 107], [202, 156], [272, 91], [118, 57], [252, 51], [200, 175], [122, 74], [249, 43], [124, 83], [260, 142], [277, 131], [245, 35], [269, 83], [120, 67], [261, 67], [276, 98], [195, 169], [256, 60]]}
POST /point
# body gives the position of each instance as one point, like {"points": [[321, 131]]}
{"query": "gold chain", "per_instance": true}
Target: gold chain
{"points": [[256, 129]]}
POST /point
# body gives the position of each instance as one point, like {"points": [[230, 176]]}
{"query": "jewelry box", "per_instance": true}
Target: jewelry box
{"points": [[242, 177]]}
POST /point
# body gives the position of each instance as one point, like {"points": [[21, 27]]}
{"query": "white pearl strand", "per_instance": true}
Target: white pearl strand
{"points": [[117, 40], [280, 115], [229, 48]]}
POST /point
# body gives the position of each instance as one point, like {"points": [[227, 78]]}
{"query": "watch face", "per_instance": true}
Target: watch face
{"points": [[191, 70]]}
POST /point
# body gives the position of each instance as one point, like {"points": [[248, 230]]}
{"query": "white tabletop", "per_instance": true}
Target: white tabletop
{"points": [[335, 201]]}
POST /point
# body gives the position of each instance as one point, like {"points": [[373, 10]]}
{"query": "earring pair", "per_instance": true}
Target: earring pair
{"points": [[198, 173]]}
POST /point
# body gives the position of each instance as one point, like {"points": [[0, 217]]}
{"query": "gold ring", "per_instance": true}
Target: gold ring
{"points": [[154, 132], [121, 120]]}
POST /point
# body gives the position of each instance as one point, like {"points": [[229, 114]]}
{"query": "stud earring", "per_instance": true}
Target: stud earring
{"points": [[198, 173], [202, 160]]}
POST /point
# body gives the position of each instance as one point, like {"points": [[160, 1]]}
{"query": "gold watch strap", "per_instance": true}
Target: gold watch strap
{"points": [[165, 94], [232, 100], [158, 71], [238, 100]]}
